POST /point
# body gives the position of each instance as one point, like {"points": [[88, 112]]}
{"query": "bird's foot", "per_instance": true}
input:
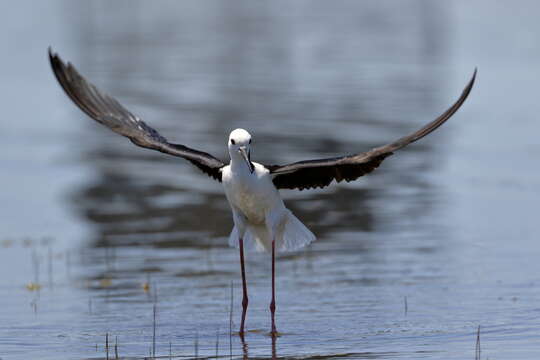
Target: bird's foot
{"points": [[241, 333], [274, 332]]}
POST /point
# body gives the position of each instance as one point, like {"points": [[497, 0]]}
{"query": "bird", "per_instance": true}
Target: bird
{"points": [[261, 219]]}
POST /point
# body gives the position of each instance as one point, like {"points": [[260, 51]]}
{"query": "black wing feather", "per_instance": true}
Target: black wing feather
{"points": [[320, 173], [108, 111]]}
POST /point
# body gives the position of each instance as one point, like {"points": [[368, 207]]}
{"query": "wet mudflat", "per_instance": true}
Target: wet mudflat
{"points": [[102, 239]]}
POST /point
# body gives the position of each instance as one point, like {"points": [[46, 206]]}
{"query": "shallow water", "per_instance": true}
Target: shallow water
{"points": [[409, 260]]}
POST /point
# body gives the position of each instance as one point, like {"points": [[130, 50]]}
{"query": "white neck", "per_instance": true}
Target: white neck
{"points": [[238, 164]]}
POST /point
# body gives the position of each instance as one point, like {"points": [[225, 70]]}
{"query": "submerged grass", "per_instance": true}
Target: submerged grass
{"points": [[477, 352], [154, 330]]}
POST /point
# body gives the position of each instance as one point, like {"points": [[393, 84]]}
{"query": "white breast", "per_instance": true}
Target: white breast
{"points": [[253, 194]]}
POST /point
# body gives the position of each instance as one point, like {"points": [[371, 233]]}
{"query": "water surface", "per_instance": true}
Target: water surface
{"points": [[409, 260]]}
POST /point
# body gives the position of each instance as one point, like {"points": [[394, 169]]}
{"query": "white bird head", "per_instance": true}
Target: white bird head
{"points": [[240, 145]]}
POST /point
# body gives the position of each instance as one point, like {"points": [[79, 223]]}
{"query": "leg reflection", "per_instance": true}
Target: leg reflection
{"points": [[244, 348], [274, 339]]}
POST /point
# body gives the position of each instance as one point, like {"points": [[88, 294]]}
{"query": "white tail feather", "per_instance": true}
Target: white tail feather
{"points": [[291, 236]]}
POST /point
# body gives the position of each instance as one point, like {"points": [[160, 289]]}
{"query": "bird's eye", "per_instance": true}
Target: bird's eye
{"points": [[232, 142]]}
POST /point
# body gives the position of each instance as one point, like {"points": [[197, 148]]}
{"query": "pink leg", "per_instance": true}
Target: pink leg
{"points": [[245, 300], [273, 302]]}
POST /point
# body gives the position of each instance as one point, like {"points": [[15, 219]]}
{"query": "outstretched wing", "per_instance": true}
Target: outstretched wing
{"points": [[109, 112], [320, 173]]}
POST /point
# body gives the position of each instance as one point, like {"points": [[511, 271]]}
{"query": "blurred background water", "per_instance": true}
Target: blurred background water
{"points": [[409, 260]]}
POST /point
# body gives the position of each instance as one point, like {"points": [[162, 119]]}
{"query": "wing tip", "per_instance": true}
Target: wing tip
{"points": [[57, 64], [54, 59], [473, 79]]}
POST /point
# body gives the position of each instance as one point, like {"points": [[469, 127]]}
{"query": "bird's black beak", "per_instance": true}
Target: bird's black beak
{"points": [[245, 154]]}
